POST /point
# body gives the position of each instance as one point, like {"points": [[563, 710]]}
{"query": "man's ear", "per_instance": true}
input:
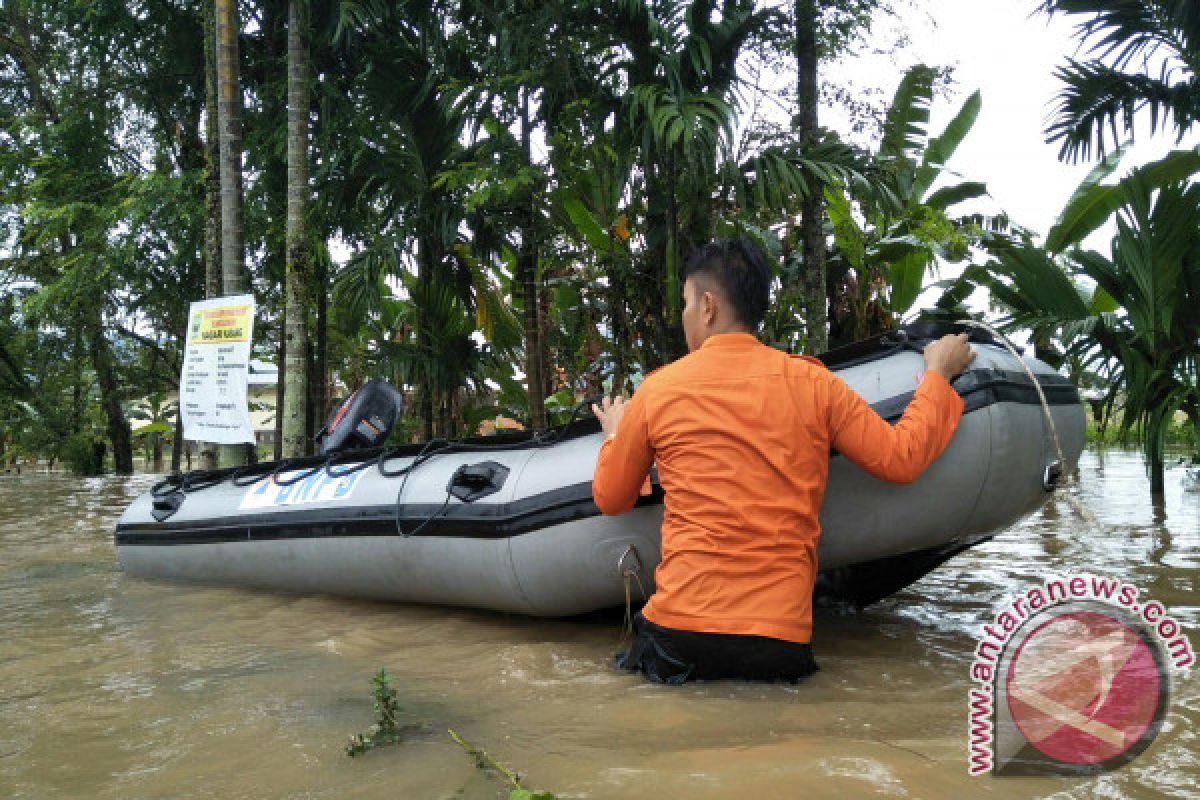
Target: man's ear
{"points": [[709, 306]]}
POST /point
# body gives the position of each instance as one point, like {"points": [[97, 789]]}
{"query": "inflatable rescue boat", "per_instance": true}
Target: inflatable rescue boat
{"points": [[507, 522]]}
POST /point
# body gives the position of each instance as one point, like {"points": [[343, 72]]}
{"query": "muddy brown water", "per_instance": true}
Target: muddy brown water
{"points": [[114, 687]]}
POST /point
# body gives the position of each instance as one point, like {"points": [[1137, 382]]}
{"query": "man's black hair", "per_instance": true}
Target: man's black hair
{"points": [[739, 268]]}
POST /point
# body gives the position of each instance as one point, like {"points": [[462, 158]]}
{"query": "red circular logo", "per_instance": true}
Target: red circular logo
{"points": [[1084, 688]]}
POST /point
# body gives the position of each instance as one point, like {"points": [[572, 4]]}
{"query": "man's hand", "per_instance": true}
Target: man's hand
{"points": [[949, 355], [609, 412]]}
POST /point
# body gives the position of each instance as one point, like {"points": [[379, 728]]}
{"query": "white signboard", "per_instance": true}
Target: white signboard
{"points": [[216, 363]]}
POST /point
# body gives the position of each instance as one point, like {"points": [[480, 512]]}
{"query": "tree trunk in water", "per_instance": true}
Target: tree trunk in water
{"points": [[212, 192], [812, 235], [1196, 438], [298, 288], [178, 444], [1157, 476], [77, 381], [280, 382], [110, 398], [535, 374], [319, 390], [229, 122], [313, 423]]}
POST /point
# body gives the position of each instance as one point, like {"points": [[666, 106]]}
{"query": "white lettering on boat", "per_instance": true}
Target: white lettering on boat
{"points": [[318, 487]]}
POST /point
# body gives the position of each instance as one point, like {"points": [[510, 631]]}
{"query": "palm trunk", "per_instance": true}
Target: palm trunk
{"points": [[1196, 438], [212, 154], [1157, 474], [298, 287], [812, 235], [77, 358], [207, 451], [616, 313], [280, 382], [110, 396], [229, 121], [535, 374], [178, 444], [319, 392], [425, 262]]}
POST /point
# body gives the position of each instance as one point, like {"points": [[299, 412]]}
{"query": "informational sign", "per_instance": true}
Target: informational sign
{"points": [[216, 366]]}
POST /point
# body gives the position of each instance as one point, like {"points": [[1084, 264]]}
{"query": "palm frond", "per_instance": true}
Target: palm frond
{"points": [[905, 126], [1098, 106], [1093, 203]]}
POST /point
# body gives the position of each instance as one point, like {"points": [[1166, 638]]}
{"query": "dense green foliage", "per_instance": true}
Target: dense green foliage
{"points": [[1131, 317], [516, 184], [1126, 321], [495, 199]]}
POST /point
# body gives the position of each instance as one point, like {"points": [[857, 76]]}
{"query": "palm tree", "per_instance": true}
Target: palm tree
{"points": [[229, 115], [298, 278], [1103, 94], [678, 60], [450, 357], [1133, 314]]}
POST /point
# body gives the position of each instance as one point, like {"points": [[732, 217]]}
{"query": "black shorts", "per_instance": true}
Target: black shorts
{"points": [[668, 655]]}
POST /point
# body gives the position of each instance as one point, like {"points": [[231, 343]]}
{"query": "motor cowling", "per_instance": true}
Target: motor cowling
{"points": [[362, 420]]}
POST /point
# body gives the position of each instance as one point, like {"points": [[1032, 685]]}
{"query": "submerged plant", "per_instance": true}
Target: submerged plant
{"points": [[485, 762], [387, 709]]}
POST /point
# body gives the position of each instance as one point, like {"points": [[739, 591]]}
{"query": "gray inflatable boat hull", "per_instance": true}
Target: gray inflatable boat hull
{"points": [[539, 546]]}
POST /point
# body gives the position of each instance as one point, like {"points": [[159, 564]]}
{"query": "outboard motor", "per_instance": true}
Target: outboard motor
{"points": [[363, 420]]}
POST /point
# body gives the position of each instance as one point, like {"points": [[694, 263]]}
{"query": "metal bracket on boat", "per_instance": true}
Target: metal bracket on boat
{"points": [[629, 561], [1051, 476], [629, 567]]}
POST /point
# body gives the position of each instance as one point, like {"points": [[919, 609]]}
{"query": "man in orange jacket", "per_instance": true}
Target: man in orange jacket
{"points": [[741, 434]]}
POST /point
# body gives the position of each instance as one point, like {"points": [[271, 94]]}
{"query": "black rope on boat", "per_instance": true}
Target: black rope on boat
{"points": [[253, 471], [537, 439], [361, 462], [168, 485], [299, 476], [420, 459], [356, 461], [202, 479], [427, 520]]}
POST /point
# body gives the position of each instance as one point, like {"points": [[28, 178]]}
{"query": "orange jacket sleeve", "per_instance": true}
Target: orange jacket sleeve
{"points": [[624, 461], [899, 452]]}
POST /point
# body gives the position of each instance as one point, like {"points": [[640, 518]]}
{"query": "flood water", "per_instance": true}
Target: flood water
{"points": [[114, 687]]}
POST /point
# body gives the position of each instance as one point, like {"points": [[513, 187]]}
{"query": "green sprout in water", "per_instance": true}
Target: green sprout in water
{"points": [[485, 762], [385, 730]]}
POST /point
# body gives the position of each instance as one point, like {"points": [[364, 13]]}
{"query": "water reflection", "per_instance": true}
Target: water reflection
{"points": [[112, 687]]}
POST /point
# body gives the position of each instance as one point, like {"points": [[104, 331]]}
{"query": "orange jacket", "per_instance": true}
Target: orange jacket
{"points": [[741, 434]]}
